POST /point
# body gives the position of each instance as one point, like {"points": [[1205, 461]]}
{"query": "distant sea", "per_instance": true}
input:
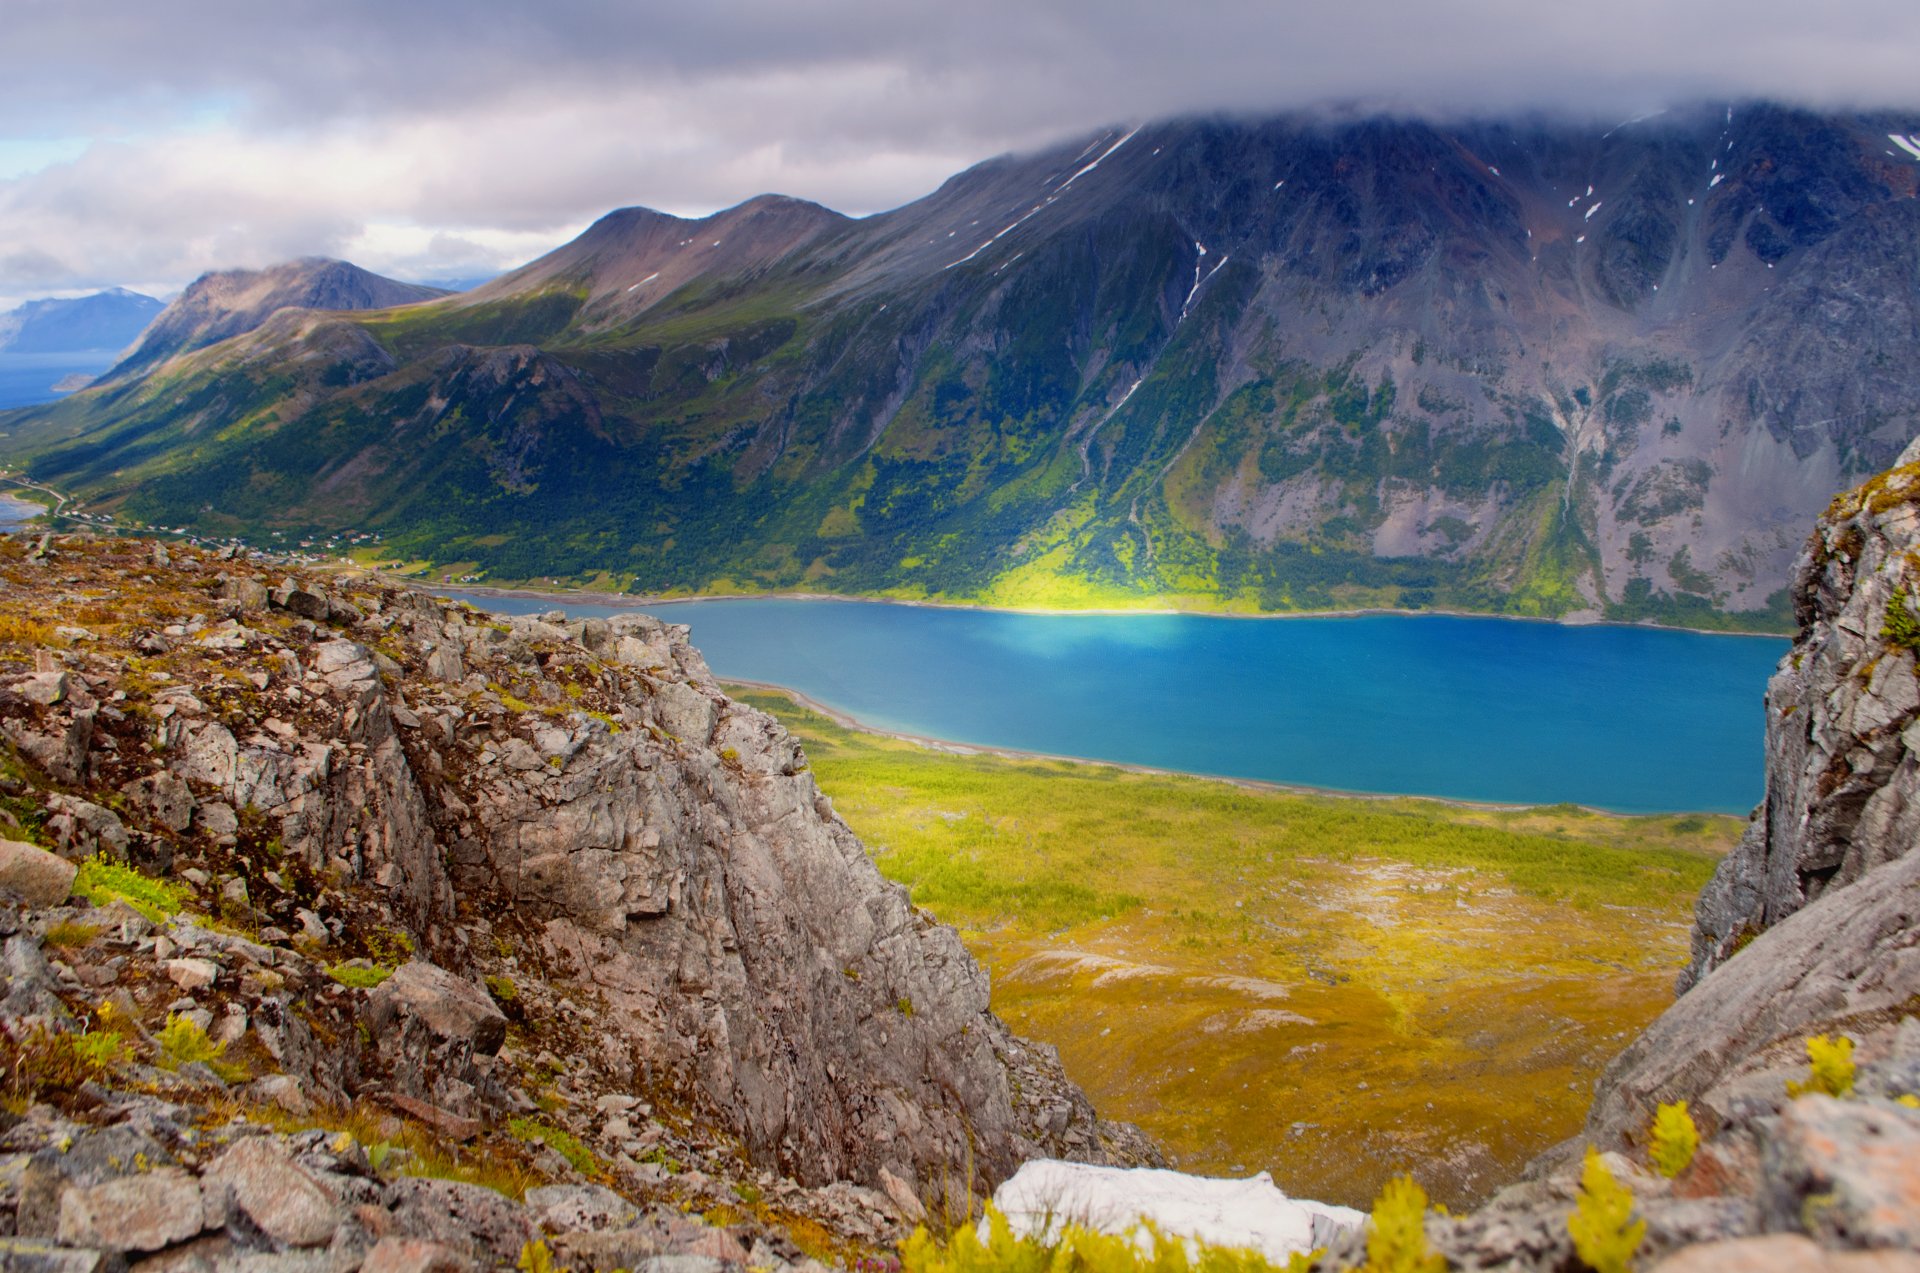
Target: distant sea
{"points": [[26, 379], [1631, 719]]}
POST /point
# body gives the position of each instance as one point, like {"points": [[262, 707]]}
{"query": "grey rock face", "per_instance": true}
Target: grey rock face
{"points": [[1843, 753], [740, 936]]}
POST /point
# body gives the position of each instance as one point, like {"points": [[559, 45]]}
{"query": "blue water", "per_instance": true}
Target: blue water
{"points": [[1631, 719], [26, 379]]}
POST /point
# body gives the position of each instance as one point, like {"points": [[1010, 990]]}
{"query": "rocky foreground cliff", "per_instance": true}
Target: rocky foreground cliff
{"points": [[339, 919]]}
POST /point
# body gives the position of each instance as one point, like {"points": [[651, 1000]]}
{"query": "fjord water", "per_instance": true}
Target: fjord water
{"points": [[1630, 719], [27, 379]]}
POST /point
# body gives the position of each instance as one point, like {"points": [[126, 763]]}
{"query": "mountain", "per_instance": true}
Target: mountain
{"points": [[228, 303], [106, 320], [1523, 366]]}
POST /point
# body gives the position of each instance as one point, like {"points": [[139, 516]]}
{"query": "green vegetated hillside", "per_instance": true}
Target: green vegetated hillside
{"points": [[1518, 366], [1335, 989]]}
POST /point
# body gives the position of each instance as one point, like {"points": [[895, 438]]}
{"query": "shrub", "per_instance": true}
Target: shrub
{"points": [[1397, 1238], [183, 1042], [1605, 1235], [1078, 1249], [1674, 1139], [49, 1065], [70, 933], [501, 987], [1902, 628], [536, 1258], [1832, 1067], [103, 882]]}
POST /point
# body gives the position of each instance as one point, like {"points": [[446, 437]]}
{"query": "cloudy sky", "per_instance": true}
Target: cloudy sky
{"points": [[143, 141]]}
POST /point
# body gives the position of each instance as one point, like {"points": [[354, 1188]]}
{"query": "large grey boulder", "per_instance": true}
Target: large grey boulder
{"points": [[258, 1179], [39, 877], [451, 1008]]}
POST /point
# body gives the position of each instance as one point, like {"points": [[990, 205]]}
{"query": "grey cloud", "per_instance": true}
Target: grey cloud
{"points": [[489, 119]]}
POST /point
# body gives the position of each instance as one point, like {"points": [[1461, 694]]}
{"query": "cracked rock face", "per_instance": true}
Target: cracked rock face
{"points": [[575, 808], [1843, 746]]}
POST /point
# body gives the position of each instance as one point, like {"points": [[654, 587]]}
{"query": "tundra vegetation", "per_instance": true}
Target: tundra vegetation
{"points": [[1325, 987]]}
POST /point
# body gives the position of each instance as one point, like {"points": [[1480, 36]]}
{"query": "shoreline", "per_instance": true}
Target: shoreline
{"points": [[622, 600], [950, 747]]}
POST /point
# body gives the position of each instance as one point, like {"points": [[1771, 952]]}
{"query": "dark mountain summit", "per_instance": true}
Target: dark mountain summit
{"points": [[1521, 366]]}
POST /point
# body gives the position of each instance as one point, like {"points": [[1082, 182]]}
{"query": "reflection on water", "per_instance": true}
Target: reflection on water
{"points": [[15, 513], [1624, 718]]}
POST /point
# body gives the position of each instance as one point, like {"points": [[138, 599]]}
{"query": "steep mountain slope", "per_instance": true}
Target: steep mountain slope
{"points": [[233, 302], [1520, 366], [106, 320]]}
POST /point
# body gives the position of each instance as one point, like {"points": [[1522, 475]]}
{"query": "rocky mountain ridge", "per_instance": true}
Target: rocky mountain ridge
{"points": [[224, 304], [1522, 365], [524, 900]]}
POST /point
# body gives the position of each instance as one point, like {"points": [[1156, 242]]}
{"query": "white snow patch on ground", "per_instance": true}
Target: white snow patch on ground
{"points": [[1718, 177], [1045, 1194], [1495, 171], [1581, 239], [1909, 144], [648, 279], [1590, 211]]}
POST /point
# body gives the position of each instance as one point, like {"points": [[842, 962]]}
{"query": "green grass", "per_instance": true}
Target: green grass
{"points": [[562, 1142], [1047, 844], [359, 976]]}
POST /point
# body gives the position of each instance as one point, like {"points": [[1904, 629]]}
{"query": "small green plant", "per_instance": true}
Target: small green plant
{"points": [[536, 1258], [1397, 1236], [1832, 1067], [390, 946], [103, 882], [747, 1193], [561, 1142], [905, 1005], [101, 1049], [183, 1042], [1902, 627], [1604, 1233], [501, 987], [1674, 1139], [361, 976]]}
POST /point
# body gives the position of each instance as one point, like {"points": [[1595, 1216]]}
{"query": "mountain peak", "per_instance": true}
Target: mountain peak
{"points": [[221, 304]]}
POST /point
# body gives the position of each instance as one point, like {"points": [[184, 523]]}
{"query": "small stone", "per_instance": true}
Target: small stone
{"points": [[192, 974], [415, 1255], [44, 688]]}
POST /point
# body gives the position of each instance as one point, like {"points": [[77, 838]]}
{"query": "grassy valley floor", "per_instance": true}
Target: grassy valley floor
{"points": [[1335, 989]]}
